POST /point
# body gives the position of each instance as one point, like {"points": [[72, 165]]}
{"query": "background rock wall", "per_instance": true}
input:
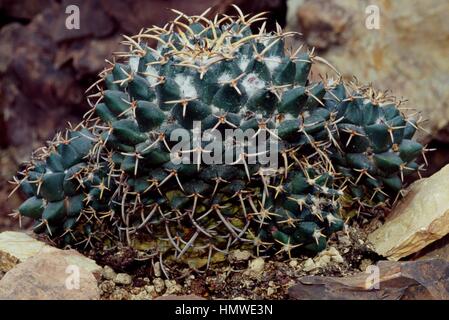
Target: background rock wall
{"points": [[408, 54]]}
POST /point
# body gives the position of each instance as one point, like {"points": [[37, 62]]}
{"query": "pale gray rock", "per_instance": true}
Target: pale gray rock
{"points": [[49, 276]]}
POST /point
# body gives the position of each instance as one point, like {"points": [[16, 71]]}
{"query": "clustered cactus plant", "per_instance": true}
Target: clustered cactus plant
{"points": [[113, 177]]}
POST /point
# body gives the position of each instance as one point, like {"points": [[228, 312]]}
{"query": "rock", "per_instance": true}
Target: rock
{"points": [[180, 297], [119, 294], [87, 56], [143, 295], [309, 265], [410, 280], [108, 273], [293, 263], [333, 254], [407, 52], [437, 249], [419, 219], [159, 285], [150, 290], [137, 12], [157, 269], [7, 36], [18, 247], [257, 265], [239, 255], [49, 276], [22, 9], [322, 260], [107, 286], [93, 22], [365, 263], [123, 279], [322, 22], [172, 287]]}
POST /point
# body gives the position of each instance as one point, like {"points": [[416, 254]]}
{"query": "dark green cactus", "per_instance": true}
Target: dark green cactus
{"points": [[375, 150], [115, 177]]}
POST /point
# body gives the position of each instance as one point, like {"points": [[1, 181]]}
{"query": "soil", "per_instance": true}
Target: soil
{"points": [[241, 276]]}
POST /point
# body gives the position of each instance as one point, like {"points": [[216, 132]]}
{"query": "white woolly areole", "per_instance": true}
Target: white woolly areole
{"points": [[186, 86], [225, 77], [265, 40], [252, 83], [272, 62], [151, 75], [134, 63], [331, 81], [243, 63], [215, 109], [244, 109], [288, 116]]}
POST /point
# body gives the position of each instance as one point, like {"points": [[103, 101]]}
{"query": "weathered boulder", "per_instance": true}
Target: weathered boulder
{"points": [[388, 280], [16, 247], [418, 220], [49, 276]]}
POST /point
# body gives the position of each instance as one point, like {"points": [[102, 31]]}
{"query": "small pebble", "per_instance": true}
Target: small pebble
{"points": [[239, 255], [119, 294], [159, 285], [107, 286], [123, 279], [309, 265], [293, 263], [257, 265], [365, 263], [157, 269], [322, 261], [143, 295], [108, 273], [172, 287], [150, 289]]}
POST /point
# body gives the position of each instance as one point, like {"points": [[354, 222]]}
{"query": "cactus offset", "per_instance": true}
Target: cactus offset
{"points": [[376, 150]]}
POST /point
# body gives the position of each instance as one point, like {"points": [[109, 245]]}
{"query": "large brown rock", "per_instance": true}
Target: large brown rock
{"points": [[438, 249], [411, 280], [49, 276], [418, 220]]}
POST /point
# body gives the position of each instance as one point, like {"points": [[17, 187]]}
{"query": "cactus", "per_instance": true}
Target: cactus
{"points": [[376, 150], [115, 178]]}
